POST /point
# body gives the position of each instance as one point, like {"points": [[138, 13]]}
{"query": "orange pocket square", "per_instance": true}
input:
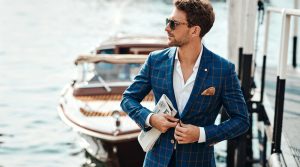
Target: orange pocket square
{"points": [[209, 91]]}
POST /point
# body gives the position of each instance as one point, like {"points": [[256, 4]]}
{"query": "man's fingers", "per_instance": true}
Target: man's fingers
{"points": [[171, 124], [183, 142], [178, 133], [170, 118], [180, 129], [178, 138]]}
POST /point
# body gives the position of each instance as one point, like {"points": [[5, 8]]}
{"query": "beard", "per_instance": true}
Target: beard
{"points": [[173, 41]]}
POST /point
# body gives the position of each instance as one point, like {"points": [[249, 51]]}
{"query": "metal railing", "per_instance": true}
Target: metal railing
{"points": [[239, 150], [276, 158]]}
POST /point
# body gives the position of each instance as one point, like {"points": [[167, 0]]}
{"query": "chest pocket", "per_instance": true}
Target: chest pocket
{"points": [[209, 95]]}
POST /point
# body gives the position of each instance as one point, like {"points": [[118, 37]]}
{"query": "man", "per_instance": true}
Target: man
{"points": [[198, 82]]}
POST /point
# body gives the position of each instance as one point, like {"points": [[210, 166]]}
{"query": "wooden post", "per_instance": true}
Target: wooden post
{"points": [[241, 27], [249, 29], [241, 33], [235, 28], [245, 145], [236, 22]]}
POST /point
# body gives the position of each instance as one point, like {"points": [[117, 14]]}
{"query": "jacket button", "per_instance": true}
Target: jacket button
{"points": [[172, 141]]}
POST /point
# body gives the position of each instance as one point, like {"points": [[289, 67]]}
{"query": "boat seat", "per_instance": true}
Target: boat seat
{"points": [[92, 113], [116, 97]]}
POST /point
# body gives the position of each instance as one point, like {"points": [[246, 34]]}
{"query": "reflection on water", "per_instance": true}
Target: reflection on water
{"points": [[92, 162]]}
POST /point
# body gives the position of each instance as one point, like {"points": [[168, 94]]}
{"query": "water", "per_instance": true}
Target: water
{"points": [[39, 40]]}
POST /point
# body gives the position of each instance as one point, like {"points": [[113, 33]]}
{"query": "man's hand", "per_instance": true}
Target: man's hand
{"points": [[163, 122], [186, 133]]}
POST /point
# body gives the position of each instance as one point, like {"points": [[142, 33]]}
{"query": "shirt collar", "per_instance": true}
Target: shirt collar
{"points": [[197, 61]]}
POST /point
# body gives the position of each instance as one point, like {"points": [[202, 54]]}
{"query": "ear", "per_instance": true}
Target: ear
{"points": [[196, 30]]}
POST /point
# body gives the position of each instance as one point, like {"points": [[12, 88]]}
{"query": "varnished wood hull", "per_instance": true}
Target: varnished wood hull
{"points": [[112, 150]]}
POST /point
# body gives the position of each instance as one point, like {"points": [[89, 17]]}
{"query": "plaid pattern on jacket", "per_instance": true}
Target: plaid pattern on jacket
{"points": [[214, 71]]}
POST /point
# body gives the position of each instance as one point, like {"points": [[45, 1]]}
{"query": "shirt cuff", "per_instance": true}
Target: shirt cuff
{"points": [[148, 120], [202, 137]]}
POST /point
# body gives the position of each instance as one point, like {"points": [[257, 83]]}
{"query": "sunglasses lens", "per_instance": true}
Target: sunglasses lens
{"points": [[171, 22]]}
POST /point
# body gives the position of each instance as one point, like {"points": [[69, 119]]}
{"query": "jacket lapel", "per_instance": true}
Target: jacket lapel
{"points": [[203, 70], [169, 70]]}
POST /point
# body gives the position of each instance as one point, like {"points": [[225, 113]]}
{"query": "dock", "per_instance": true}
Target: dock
{"points": [[272, 93], [291, 115]]}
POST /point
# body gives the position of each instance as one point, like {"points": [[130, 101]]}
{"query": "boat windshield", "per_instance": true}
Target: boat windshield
{"points": [[115, 72]]}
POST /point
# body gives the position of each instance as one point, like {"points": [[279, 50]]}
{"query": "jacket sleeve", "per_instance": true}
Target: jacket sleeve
{"points": [[234, 103], [135, 93]]}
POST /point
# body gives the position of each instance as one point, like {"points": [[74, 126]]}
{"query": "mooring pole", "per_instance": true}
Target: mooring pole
{"points": [[236, 34], [244, 155]]}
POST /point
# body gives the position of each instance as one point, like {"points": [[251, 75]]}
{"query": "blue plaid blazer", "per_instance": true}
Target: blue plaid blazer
{"points": [[157, 75]]}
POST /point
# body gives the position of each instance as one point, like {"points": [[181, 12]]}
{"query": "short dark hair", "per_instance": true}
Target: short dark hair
{"points": [[198, 12]]}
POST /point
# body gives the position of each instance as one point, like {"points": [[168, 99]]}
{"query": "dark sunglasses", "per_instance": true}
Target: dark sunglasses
{"points": [[173, 23]]}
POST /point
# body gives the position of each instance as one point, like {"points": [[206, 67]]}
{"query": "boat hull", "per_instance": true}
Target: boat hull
{"points": [[110, 149], [113, 154]]}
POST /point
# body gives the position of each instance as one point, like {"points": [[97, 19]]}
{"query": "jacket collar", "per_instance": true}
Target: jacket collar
{"points": [[203, 70]]}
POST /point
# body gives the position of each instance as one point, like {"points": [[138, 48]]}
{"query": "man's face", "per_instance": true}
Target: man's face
{"points": [[179, 35]]}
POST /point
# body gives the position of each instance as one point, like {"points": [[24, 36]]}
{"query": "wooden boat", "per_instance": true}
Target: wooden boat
{"points": [[91, 103]]}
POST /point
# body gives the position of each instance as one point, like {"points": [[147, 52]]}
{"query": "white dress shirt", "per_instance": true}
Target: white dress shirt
{"points": [[183, 90]]}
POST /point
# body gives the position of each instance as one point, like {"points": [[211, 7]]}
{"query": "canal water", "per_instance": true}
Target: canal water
{"points": [[39, 40]]}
